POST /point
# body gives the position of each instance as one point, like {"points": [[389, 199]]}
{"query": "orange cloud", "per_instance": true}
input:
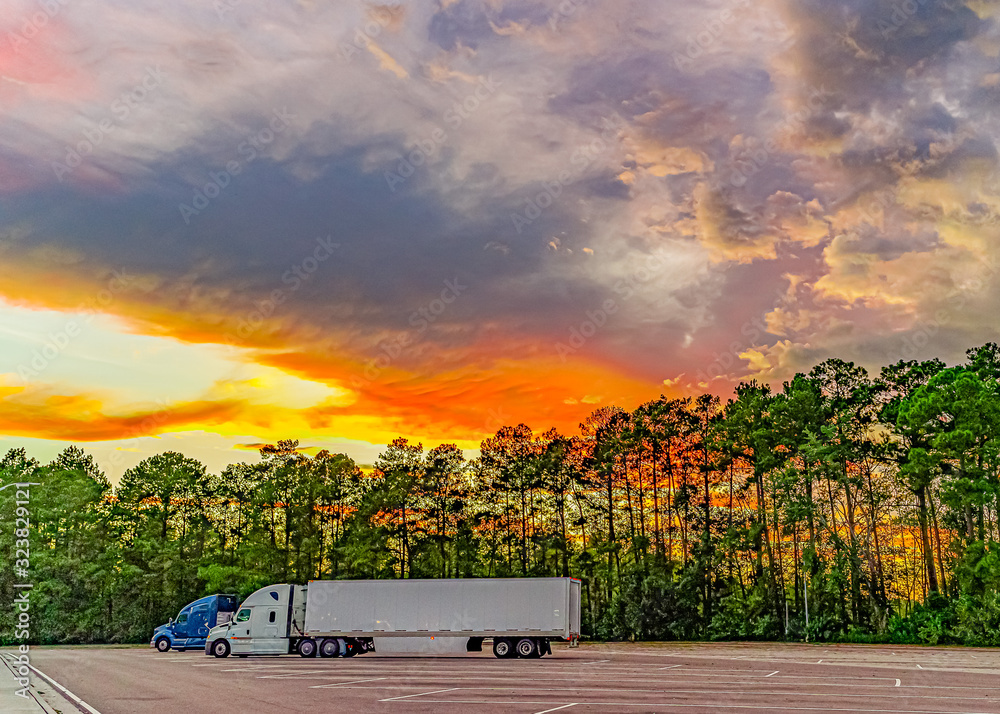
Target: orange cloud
{"points": [[43, 414]]}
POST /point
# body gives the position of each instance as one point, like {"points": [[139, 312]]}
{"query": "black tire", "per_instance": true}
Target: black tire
{"points": [[163, 645], [307, 648], [329, 648], [503, 648], [526, 647], [220, 648]]}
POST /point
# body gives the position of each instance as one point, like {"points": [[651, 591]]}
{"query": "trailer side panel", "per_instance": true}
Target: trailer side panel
{"points": [[542, 607]]}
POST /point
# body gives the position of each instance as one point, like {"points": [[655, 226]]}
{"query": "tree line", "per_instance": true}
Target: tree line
{"points": [[842, 506]]}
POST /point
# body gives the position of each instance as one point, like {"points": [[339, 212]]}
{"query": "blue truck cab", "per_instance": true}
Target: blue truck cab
{"points": [[190, 628]]}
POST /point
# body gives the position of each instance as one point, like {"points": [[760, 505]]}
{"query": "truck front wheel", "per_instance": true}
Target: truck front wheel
{"points": [[163, 645], [220, 648], [307, 648], [503, 648]]}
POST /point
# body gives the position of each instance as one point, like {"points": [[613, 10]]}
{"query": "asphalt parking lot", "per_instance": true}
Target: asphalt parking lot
{"points": [[592, 678]]}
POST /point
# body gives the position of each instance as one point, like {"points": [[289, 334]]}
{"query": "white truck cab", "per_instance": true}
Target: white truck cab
{"points": [[264, 624]]}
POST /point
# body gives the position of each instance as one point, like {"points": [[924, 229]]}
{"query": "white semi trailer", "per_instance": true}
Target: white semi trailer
{"points": [[341, 618]]}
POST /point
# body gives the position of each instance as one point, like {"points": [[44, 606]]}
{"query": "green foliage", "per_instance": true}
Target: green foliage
{"points": [[746, 618], [874, 500]]}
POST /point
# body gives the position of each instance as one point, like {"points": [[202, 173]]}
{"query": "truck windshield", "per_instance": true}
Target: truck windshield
{"points": [[243, 615]]}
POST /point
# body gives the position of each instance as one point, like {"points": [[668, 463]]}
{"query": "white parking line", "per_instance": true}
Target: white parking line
{"points": [[715, 707], [668, 677], [673, 666], [292, 675], [249, 667], [555, 709], [65, 691], [422, 694], [659, 692], [342, 684], [747, 678]]}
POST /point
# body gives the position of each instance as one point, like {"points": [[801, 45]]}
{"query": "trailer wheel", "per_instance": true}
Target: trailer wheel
{"points": [[503, 648], [526, 647], [220, 648], [307, 648], [163, 645], [329, 648]]}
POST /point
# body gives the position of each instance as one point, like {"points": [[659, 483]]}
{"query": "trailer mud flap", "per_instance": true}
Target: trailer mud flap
{"points": [[475, 644]]}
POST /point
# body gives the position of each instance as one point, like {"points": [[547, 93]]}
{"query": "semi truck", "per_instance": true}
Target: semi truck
{"points": [[342, 618], [191, 627]]}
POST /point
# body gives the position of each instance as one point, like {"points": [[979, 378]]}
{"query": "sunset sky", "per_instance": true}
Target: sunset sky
{"points": [[225, 224]]}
